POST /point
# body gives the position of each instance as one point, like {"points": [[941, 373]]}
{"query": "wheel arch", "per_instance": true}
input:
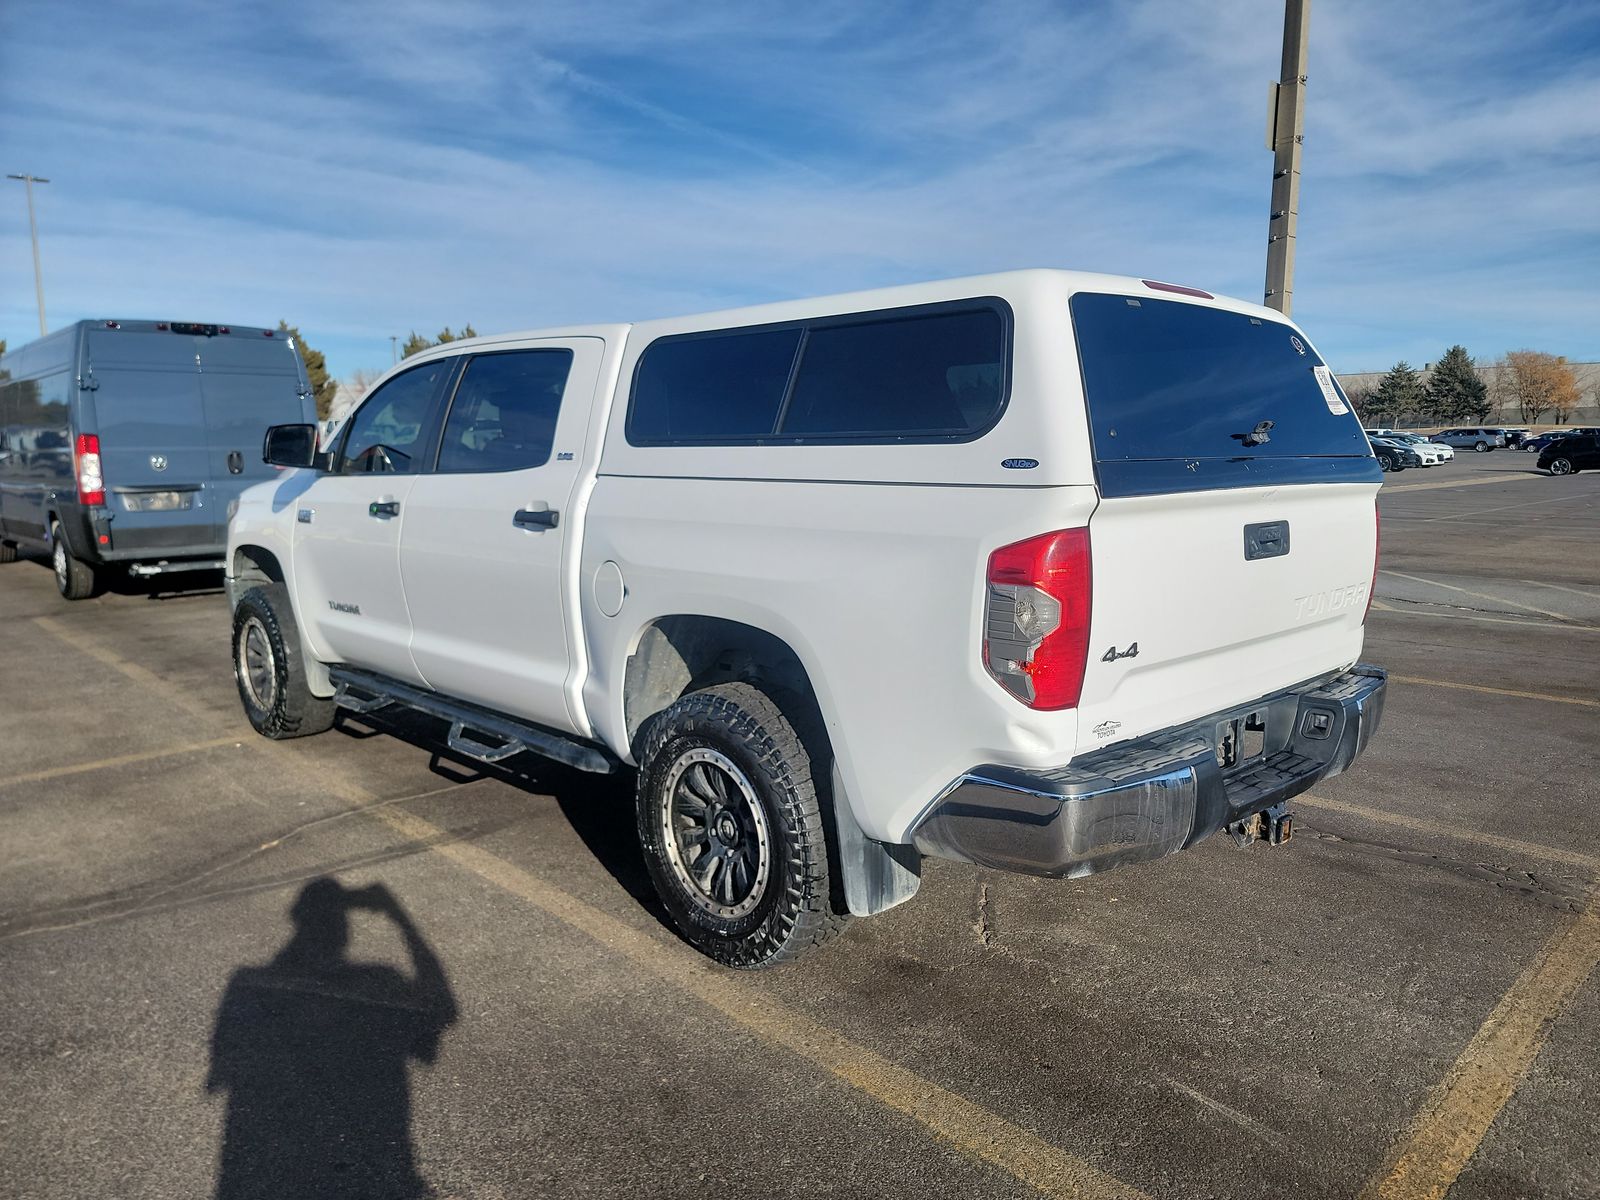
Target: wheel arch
{"points": [[680, 653]]}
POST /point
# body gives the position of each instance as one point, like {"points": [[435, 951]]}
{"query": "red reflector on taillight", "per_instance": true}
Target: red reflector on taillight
{"points": [[1177, 287], [1036, 618], [86, 465], [1377, 543]]}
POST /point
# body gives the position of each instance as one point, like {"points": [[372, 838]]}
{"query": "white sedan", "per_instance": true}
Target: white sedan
{"points": [[1431, 453]]}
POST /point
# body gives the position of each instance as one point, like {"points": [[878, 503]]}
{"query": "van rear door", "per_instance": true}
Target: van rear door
{"points": [[149, 416], [1234, 545], [249, 379]]}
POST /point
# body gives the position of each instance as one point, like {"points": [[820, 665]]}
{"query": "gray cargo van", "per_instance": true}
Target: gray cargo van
{"points": [[123, 442]]}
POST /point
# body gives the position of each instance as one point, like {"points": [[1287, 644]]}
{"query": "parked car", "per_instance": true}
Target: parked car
{"points": [[1432, 453], [1394, 455], [123, 442], [1477, 438], [1536, 444], [1569, 455], [821, 571], [1514, 437]]}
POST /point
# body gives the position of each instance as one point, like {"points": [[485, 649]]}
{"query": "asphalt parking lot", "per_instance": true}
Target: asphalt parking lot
{"points": [[1399, 1003]]}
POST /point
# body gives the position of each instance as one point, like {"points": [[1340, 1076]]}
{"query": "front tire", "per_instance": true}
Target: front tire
{"points": [[732, 829], [75, 579], [8, 552], [1385, 463], [270, 670], [1562, 466]]}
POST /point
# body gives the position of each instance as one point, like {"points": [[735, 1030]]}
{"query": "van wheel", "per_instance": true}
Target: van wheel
{"points": [[1481, 447], [74, 578], [8, 552], [270, 671], [1561, 466], [732, 830]]}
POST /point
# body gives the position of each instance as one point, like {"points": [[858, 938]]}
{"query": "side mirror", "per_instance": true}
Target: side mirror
{"points": [[290, 446]]}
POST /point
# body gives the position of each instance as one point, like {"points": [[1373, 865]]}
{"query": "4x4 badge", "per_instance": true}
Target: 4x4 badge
{"points": [[1113, 654]]}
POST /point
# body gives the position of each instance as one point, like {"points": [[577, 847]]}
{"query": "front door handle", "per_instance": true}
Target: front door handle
{"points": [[543, 518], [384, 508]]}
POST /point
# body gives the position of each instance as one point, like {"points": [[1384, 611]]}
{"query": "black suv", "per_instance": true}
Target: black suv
{"points": [[1577, 452]]}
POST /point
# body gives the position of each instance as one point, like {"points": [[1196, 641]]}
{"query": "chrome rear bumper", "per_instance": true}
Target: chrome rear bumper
{"points": [[1157, 795]]}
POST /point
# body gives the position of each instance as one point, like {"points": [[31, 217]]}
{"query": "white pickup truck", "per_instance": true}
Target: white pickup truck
{"points": [[1044, 571]]}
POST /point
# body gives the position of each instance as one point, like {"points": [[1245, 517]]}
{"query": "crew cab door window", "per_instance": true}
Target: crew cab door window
{"points": [[387, 433], [504, 414]]}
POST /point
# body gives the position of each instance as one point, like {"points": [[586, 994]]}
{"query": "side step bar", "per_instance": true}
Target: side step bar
{"points": [[364, 691]]}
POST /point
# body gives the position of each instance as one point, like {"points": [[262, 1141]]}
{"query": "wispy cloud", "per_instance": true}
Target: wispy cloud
{"points": [[365, 169]]}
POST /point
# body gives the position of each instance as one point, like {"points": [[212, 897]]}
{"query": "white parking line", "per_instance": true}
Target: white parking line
{"points": [[1543, 612]]}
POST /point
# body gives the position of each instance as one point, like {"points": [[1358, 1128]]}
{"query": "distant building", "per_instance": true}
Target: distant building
{"points": [[1587, 412]]}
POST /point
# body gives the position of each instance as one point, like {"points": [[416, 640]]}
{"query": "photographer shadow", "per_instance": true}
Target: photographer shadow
{"points": [[314, 1052]]}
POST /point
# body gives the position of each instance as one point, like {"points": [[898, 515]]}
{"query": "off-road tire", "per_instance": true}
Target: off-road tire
{"points": [[746, 728], [8, 552], [269, 668], [1562, 466], [75, 579]]}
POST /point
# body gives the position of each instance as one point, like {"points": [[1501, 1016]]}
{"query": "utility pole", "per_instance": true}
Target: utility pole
{"points": [[1286, 115], [394, 349], [33, 228]]}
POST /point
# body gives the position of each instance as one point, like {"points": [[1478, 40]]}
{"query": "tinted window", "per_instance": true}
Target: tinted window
{"points": [[937, 375], [504, 414], [1167, 380], [910, 374], [385, 434], [722, 387]]}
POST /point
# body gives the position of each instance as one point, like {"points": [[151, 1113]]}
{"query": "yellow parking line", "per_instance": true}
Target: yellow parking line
{"points": [[135, 671], [1450, 587], [1575, 858], [1439, 1143], [971, 1128], [1494, 691], [120, 760]]}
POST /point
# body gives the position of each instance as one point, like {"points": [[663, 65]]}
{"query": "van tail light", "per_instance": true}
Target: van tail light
{"points": [[1377, 542], [86, 462], [1036, 619]]}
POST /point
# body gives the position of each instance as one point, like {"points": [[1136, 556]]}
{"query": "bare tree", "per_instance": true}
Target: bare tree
{"points": [[1540, 383]]}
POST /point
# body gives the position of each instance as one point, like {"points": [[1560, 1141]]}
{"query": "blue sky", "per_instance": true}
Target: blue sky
{"points": [[365, 169]]}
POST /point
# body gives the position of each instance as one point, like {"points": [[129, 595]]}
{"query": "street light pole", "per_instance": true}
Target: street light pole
{"points": [[1285, 133], [33, 228], [394, 351]]}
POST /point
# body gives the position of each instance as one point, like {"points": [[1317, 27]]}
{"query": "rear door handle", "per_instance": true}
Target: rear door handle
{"points": [[384, 508], [543, 518]]}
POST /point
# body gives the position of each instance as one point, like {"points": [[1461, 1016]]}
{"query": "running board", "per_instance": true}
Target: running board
{"points": [[509, 736]]}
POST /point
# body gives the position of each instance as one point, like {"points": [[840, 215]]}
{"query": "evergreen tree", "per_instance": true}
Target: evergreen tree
{"points": [[2, 345], [1455, 392], [323, 385], [416, 342], [1398, 394]]}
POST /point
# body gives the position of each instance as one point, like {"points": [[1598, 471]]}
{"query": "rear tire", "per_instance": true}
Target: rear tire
{"points": [[270, 670], [1481, 447], [732, 830], [1562, 466], [75, 579], [8, 552]]}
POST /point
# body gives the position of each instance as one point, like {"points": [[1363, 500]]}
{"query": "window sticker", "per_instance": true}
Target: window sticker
{"points": [[1330, 394]]}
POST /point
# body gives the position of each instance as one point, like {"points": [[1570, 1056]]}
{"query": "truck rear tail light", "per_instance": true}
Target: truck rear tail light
{"points": [[1036, 619], [1377, 543], [86, 463]]}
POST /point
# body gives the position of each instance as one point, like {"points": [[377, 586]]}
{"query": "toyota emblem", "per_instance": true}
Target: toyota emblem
{"points": [[158, 462]]}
